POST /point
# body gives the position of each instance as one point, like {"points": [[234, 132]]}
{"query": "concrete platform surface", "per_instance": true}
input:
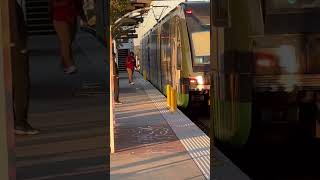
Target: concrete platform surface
{"points": [[146, 146], [70, 110], [153, 143]]}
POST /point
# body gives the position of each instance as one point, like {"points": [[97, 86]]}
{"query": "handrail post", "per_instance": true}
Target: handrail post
{"points": [[112, 149], [173, 100], [168, 96]]}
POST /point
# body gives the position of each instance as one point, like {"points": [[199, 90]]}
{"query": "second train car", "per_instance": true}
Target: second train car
{"points": [[267, 72], [176, 52]]}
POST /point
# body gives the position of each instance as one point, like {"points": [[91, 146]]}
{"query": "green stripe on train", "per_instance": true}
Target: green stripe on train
{"points": [[232, 125], [182, 100]]}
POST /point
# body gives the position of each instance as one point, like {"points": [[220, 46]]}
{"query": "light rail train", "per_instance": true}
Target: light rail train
{"points": [[176, 52]]}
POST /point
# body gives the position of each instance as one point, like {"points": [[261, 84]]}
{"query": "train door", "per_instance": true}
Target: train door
{"points": [[154, 58], [178, 57], [182, 93], [153, 51], [166, 51], [141, 65], [159, 68], [164, 43], [174, 53], [148, 58]]}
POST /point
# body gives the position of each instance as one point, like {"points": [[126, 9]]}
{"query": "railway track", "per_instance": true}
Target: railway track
{"points": [[202, 123], [269, 162], [200, 117]]}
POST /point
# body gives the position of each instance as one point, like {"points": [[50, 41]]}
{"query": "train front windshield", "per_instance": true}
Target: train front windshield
{"points": [[198, 23]]}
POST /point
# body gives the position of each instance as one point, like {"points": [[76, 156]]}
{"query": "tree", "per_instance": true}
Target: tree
{"points": [[118, 9]]}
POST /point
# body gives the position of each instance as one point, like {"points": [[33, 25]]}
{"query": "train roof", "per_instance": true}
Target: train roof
{"points": [[184, 5], [195, 3]]}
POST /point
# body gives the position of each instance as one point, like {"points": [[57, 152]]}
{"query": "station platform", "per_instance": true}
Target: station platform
{"points": [[153, 143], [71, 112]]}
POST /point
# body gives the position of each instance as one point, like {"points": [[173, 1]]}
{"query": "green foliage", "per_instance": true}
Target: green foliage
{"points": [[118, 9]]}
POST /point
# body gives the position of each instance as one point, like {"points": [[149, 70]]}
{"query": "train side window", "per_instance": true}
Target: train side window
{"points": [[220, 13]]}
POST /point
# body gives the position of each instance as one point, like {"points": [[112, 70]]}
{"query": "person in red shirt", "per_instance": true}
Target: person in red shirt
{"points": [[130, 64], [64, 14]]}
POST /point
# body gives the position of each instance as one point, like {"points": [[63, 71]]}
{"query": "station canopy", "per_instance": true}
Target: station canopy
{"points": [[126, 25]]}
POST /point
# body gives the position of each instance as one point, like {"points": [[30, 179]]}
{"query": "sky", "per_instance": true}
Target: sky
{"points": [[150, 21]]}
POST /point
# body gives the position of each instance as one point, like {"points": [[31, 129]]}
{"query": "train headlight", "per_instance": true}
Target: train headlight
{"points": [[193, 81], [264, 62], [200, 80]]}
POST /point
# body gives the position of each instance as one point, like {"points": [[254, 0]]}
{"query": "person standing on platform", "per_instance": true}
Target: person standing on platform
{"points": [[116, 81], [20, 76], [130, 64]]}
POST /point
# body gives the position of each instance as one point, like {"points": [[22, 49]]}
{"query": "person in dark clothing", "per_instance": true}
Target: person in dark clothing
{"points": [[116, 81], [20, 76]]}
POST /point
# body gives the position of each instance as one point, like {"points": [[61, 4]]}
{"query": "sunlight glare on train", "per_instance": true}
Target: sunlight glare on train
{"points": [[201, 41], [264, 62], [288, 62]]}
